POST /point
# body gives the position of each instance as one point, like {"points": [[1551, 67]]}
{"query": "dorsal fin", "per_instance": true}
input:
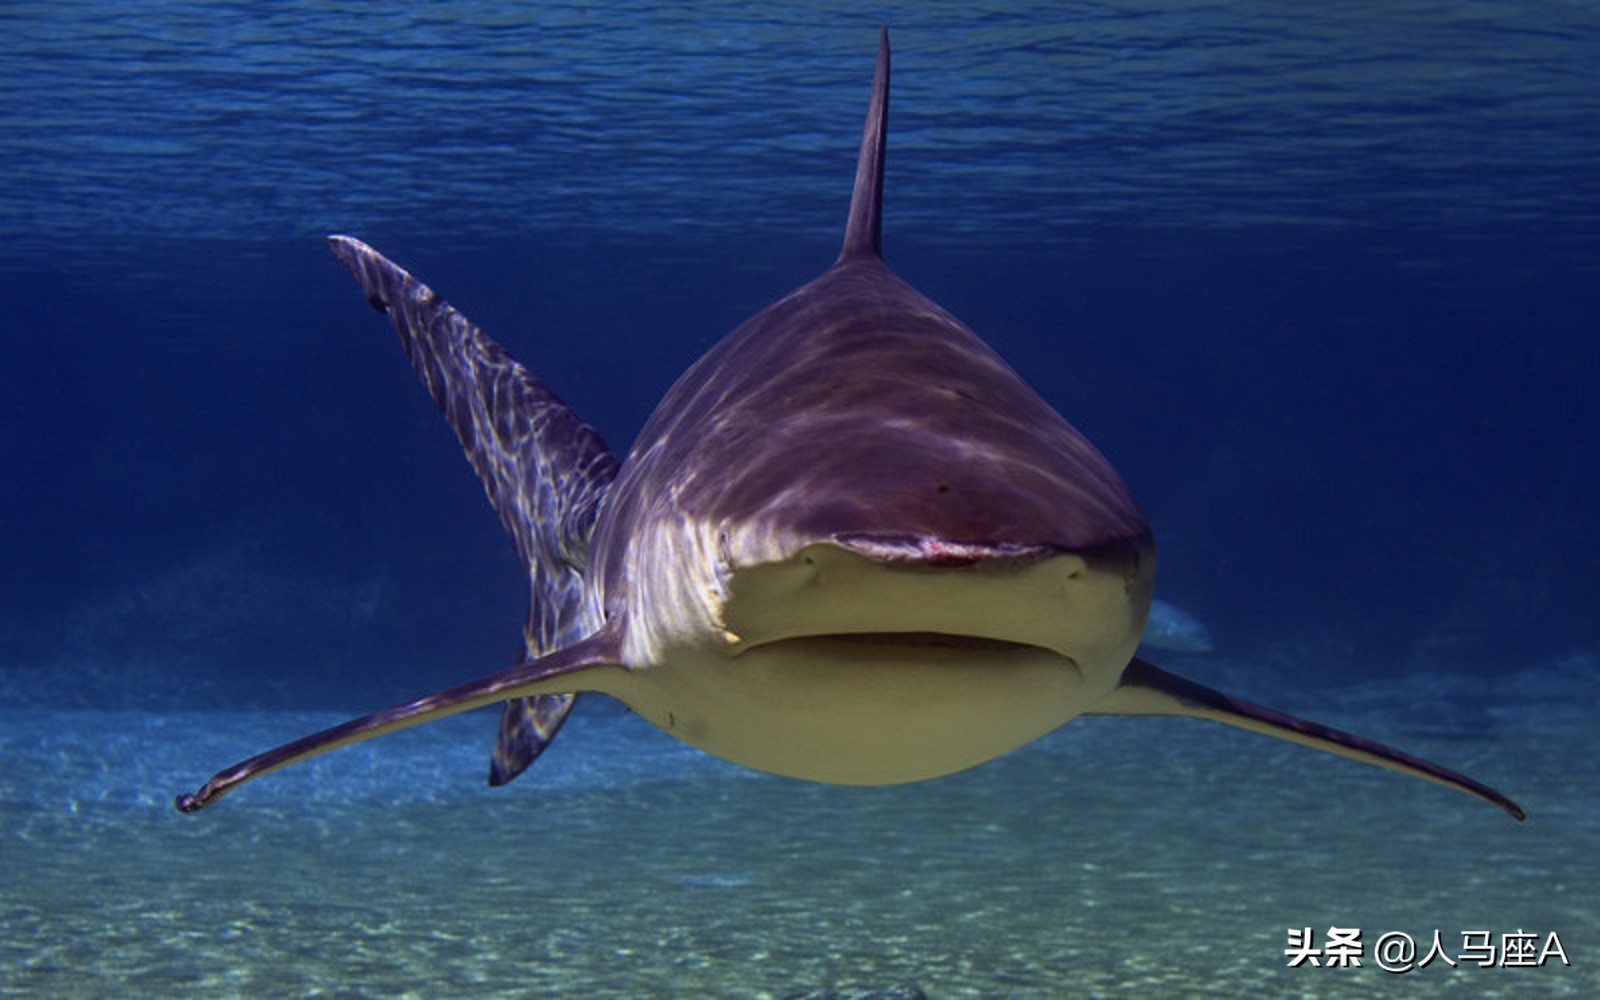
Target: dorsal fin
{"points": [[863, 232]]}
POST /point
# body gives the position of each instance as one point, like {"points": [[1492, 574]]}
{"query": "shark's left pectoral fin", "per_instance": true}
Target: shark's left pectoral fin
{"points": [[549, 674], [1146, 689], [545, 470]]}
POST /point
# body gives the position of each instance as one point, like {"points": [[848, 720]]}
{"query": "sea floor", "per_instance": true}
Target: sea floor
{"points": [[1126, 857]]}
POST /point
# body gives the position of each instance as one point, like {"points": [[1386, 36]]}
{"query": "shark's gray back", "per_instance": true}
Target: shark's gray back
{"points": [[857, 407]]}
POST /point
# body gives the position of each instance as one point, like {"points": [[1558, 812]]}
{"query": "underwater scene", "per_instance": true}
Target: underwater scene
{"points": [[1322, 283]]}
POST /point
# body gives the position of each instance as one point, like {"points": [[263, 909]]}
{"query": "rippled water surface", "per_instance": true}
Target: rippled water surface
{"points": [[293, 119]]}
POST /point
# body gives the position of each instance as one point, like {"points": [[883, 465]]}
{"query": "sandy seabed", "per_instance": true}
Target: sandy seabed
{"points": [[1129, 857]]}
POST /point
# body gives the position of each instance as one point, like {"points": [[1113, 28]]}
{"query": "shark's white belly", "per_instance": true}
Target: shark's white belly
{"points": [[832, 666], [862, 710]]}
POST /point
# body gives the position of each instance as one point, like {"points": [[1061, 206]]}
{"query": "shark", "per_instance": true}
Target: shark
{"points": [[850, 545]]}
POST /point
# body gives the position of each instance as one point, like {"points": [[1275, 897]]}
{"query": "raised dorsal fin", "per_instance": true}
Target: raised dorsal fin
{"points": [[863, 233]]}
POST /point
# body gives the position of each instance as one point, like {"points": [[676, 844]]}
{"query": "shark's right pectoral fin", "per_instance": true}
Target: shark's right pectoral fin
{"points": [[566, 670], [1146, 689]]}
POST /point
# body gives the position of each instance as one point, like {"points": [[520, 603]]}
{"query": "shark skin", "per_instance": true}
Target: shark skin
{"points": [[850, 545]]}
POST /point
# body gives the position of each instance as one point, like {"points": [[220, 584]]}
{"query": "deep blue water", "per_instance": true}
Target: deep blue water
{"points": [[1324, 287], [1322, 281]]}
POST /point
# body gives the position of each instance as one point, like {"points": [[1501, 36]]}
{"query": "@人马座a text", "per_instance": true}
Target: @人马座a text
{"points": [[1398, 952]]}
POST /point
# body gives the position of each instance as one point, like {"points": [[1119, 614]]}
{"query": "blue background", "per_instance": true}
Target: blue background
{"points": [[1323, 283]]}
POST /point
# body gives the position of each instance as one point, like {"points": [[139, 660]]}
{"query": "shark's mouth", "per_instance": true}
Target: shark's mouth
{"points": [[981, 647], [883, 597], [916, 649], [946, 640], [873, 707]]}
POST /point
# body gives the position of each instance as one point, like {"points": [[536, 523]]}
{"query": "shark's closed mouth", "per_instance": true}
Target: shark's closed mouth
{"points": [[975, 644]]}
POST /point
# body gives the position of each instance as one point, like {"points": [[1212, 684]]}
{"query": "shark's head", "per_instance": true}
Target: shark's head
{"points": [[854, 423]]}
